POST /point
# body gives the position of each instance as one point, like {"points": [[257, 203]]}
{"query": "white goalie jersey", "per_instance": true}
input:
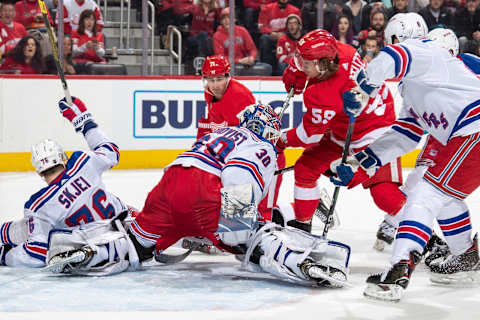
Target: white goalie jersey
{"points": [[236, 155], [78, 196], [440, 95]]}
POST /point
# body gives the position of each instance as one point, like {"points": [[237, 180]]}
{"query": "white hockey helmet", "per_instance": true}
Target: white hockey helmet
{"points": [[262, 120], [403, 26], [445, 38], [47, 154]]}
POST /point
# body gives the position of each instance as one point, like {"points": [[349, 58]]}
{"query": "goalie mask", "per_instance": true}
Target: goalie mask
{"points": [[47, 154], [262, 120]]}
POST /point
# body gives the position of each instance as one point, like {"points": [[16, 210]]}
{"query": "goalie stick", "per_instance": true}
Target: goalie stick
{"points": [[43, 9]]}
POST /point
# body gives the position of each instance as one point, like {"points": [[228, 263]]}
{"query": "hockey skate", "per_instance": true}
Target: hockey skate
{"points": [[389, 285], [436, 250], [461, 270], [67, 261], [323, 209], [325, 276], [385, 235], [201, 247]]}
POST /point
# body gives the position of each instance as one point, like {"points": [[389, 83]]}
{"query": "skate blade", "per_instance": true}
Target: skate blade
{"points": [[465, 279], [379, 245], [57, 263], [337, 282], [384, 292]]}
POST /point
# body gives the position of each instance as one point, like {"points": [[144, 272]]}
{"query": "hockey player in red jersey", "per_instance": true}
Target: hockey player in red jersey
{"points": [[226, 98], [327, 65]]}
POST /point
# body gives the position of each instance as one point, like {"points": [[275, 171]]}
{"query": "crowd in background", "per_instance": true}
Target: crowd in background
{"points": [[266, 31]]}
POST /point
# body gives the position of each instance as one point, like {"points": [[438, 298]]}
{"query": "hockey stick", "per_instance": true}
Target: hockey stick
{"points": [[43, 9], [282, 171], [172, 259], [346, 148], [286, 103]]}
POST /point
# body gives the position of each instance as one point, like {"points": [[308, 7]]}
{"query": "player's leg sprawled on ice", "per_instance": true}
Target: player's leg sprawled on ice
{"points": [[56, 218], [446, 108], [219, 203]]}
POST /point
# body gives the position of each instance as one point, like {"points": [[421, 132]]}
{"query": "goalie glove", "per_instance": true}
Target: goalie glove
{"points": [[357, 168], [238, 208], [77, 114]]}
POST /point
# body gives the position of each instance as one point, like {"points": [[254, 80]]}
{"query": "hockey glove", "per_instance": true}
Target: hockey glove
{"points": [[358, 168], [354, 101], [292, 77], [362, 82], [77, 114]]}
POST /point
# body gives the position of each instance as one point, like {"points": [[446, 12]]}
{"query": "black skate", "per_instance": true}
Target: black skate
{"points": [[389, 285], [325, 276], [202, 247], [67, 261], [460, 270], [385, 235], [435, 250]]}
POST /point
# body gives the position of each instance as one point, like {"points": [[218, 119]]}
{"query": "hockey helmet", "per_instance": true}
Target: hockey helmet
{"points": [[262, 120], [47, 154], [315, 45], [403, 26], [446, 39], [215, 66]]}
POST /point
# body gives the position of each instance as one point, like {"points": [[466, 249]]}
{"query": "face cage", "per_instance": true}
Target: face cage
{"points": [[258, 126]]}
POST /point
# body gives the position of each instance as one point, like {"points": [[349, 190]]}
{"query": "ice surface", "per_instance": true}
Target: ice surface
{"points": [[214, 287]]}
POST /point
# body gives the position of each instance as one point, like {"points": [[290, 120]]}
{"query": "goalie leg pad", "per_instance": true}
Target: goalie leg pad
{"points": [[285, 249], [111, 249]]}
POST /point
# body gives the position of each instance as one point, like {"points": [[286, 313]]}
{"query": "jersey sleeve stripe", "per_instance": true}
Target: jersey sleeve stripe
{"points": [[202, 157], [4, 233], [401, 56], [470, 114], [78, 164], [111, 147], [45, 197], [407, 132], [37, 250], [249, 166]]}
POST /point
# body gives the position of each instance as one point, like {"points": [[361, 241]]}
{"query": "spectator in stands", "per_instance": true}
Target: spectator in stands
{"points": [[72, 10], [28, 13], [367, 12], [10, 31], [378, 22], [245, 51], [88, 43], [435, 14], [205, 13], [25, 58], [399, 6], [331, 10], [287, 43], [68, 64], [250, 16], [369, 49], [467, 23], [271, 22], [343, 31], [356, 7]]}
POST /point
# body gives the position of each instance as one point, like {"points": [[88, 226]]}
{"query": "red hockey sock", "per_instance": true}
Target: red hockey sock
{"points": [[304, 209], [388, 197]]}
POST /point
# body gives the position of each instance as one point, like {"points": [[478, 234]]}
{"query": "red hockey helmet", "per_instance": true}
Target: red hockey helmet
{"points": [[215, 66], [315, 45]]}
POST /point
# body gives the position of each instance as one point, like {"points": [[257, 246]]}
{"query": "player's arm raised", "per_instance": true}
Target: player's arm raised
{"points": [[105, 152]]}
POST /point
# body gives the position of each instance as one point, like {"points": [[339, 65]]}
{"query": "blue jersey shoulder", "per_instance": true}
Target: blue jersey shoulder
{"points": [[471, 61]]}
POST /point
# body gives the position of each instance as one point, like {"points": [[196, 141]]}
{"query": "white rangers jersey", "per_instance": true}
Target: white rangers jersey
{"points": [[237, 156], [440, 96], [75, 197]]}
